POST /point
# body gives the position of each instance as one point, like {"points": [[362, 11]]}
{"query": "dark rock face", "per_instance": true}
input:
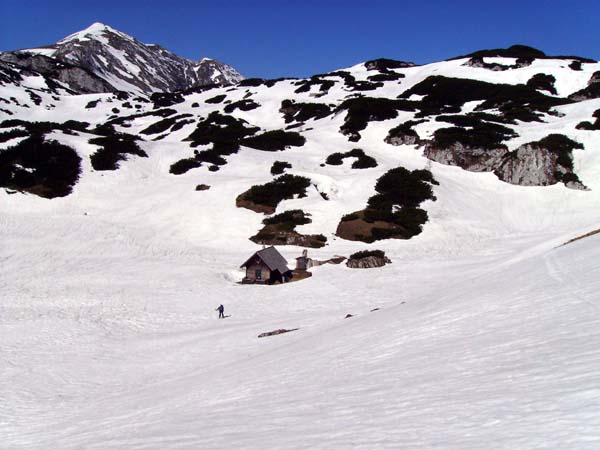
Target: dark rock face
{"points": [[368, 262], [474, 159], [76, 78], [101, 59]]}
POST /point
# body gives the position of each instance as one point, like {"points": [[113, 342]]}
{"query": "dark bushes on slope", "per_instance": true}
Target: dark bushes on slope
{"points": [[542, 82], [44, 168], [115, 147], [279, 167], [362, 110], [281, 188], [276, 140], [363, 162], [301, 112], [589, 125]]}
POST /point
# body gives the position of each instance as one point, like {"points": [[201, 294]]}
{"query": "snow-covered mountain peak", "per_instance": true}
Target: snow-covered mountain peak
{"points": [[113, 60], [94, 31]]}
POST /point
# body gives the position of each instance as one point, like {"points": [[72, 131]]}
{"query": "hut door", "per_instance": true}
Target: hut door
{"points": [[258, 274]]}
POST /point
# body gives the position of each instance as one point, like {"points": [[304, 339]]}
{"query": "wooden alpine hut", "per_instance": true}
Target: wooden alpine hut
{"points": [[266, 266]]}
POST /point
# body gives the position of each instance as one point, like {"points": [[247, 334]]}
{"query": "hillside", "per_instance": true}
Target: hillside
{"points": [[471, 172]]}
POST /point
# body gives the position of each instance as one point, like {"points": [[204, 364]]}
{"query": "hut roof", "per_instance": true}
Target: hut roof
{"points": [[272, 259]]}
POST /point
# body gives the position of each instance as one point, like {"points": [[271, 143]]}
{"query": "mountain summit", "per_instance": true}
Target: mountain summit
{"points": [[102, 59]]}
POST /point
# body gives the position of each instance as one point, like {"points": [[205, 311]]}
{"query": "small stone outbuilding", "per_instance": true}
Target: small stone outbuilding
{"points": [[266, 266]]}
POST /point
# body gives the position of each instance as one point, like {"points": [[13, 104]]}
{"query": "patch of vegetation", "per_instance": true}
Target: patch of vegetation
{"points": [[367, 254], [12, 134], [301, 112], [42, 128], [364, 85], [164, 99], [216, 99], [471, 132], [388, 76], [280, 230], [276, 140], [562, 146], [92, 104], [183, 165], [589, 125], [279, 167], [220, 128], [448, 95], [288, 220], [163, 125], [404, 134], [394, 211], [515, 51], [114, 149], [384, 64], [306, 85], [362, 110], [242, 105], [575, 65], [587, 93], [270, 194], [363, 162], [44, 168], [251, 82], [543, 82]]}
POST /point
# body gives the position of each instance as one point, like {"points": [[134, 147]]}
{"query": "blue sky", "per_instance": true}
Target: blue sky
{"points": [[299, 38]]}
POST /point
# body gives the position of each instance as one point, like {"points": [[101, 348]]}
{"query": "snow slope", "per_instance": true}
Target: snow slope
{"points": [[482, 333]]}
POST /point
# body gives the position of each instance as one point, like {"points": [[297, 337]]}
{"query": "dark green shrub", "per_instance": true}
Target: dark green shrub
{"points": [[388, 76], [276, 140], [8, 135], [183, 165], [384, 64], [242, 105], [335, 159], [301, 112], [115, 147], [362, 110], [216, 99], [367, 254], [44, 168], [279, 167], [163, 99], [282, 188], [288, 220], [543, 82]]}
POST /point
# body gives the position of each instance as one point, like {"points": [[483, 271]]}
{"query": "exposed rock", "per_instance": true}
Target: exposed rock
{"points": [[529, 166], [348, 316], [107, 60], [76, 78], [368, 262], [469, 158], [595, 78], [276, 332], [202, 187]]}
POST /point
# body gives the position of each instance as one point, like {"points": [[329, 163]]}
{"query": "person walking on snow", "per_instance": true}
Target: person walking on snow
{"points": [[221, 309]]}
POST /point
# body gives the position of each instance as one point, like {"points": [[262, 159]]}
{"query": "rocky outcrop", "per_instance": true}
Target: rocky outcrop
{"points": [[541, 163], [529, 165], [276, 332], [368, 262], [475, 159], [535, 165]]}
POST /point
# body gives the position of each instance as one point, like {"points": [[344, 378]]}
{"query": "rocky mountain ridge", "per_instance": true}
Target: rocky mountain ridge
{"points": [[102, 59]]}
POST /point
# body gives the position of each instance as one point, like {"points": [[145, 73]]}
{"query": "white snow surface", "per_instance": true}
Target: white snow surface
{"points": [[483, 333]]}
